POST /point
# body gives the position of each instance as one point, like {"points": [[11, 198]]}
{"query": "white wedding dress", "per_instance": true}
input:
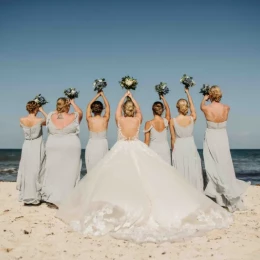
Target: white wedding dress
{"points": [[133, 194]]}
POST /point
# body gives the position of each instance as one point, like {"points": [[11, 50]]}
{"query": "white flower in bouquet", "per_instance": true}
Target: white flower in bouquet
{"points": [[99, 84], [71, 93], [128, 83], [187, 81], [39, 99], [162, 89]]}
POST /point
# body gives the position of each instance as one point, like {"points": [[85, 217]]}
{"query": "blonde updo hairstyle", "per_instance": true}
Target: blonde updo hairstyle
{"points": [[129, 108], [62, 105], [215, 94], [31, 107], [183, 106]]}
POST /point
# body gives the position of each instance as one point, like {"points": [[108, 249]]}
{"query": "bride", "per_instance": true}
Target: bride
{"points": [[133, 194]]}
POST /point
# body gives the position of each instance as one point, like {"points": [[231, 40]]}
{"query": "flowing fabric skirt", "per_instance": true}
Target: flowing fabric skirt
{"points": [[31, 171], [96, 149], [63, 165], [133, 194], [162, 149], [186, 159], [222, 184]]}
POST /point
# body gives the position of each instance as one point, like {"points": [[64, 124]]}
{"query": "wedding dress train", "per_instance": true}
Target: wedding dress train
{"points": [[133, 194]]}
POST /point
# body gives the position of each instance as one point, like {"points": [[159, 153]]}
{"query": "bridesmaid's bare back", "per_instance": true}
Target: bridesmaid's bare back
{"points": [[97, 124], [183, 120], [158, 124], [62, 120], [216, 112], [30, 121]]}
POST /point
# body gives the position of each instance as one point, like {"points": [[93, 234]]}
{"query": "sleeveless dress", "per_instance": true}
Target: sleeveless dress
{"points": [[185, 156], [159, 142], [222, 183], [63, 161], [133, 194], [96, 148], [31, 167]]}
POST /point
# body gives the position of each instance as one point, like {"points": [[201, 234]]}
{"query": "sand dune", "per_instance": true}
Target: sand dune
{"points": [[35, 233]]}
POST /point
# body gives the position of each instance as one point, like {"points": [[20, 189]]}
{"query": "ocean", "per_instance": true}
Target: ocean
{"points": [[246, 163]]}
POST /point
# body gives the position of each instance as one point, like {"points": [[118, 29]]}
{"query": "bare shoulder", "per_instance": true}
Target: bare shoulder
{"points": [[23, 119], [227, 107], [172, 121], [148, 124]]}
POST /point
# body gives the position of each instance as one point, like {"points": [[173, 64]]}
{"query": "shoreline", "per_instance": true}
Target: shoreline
{"points": [[35, 233]]}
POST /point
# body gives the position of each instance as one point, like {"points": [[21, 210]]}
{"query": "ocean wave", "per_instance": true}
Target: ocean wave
{"points": [[8, 170]]}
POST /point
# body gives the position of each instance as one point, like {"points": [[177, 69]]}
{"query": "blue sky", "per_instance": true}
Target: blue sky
{"points": [[47, 46]]}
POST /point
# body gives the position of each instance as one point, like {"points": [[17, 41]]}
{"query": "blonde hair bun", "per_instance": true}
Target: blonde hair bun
{"points": [[129, 108], [62, 105], [183, 106], [215, 93]]}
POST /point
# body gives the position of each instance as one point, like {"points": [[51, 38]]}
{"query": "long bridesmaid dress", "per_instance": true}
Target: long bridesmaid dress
{"points": [[96, 148], [63, 163], [159, 142], [223, 186], [31, 167], [185, 156]]}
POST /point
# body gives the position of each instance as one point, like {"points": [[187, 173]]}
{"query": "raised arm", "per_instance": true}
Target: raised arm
{"points": [[107, 106], [172, 131], [119, 108], [77, 109], [147, 132], [203, 106], [44, 114], [137, 107], [167, 108], [192, 107], [88, 111]]}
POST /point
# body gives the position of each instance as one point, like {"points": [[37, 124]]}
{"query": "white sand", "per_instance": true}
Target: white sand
{"points": [[35, 233]]}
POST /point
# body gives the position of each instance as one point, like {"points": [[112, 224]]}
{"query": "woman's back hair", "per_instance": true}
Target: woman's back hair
{"points": [[129, 108], [62, 105], [183, 106], [31, 106], [158, 108], [97, 107], [215, 93]]}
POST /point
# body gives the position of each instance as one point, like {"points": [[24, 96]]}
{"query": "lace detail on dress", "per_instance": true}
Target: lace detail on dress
{"points": [[121, 225], [121, 137]]}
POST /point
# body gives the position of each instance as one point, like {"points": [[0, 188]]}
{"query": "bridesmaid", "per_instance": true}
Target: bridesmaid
{"points": [[222, 184], [156, 130], [97, 146], [185, 156], [31, 168], [63, 150]]}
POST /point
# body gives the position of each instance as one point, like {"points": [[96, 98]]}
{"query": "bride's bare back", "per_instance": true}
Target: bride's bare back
{"points": [[129, 126], [129, 123]]}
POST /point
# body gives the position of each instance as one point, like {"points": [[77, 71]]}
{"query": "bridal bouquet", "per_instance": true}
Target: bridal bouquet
{"points": [[205, 89], [40, 100], [162, 89], [99, 84], [187, 81], [128, 83], [71, 93]]}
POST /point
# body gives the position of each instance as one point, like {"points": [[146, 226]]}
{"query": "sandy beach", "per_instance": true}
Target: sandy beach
{"points": [[35, 233]]}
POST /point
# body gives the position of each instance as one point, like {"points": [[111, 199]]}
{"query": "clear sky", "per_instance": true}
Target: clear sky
{"points": [[47, 46]]}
